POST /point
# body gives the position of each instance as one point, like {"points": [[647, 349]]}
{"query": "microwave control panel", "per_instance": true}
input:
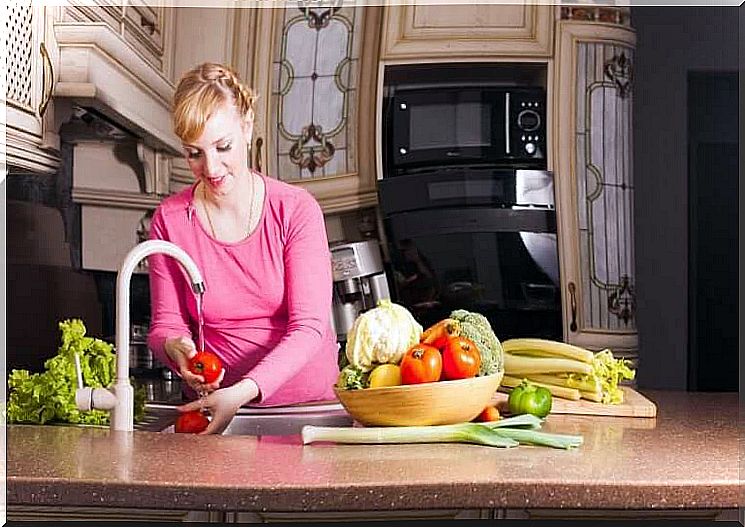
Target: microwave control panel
{"points": [[527, 122]]}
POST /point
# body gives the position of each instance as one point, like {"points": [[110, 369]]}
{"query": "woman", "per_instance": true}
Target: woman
{"points": [[262, 249]]}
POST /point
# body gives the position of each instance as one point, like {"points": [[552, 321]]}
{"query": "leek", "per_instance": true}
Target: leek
{"points": [[505, 433], [460, 433], [540, 438]]}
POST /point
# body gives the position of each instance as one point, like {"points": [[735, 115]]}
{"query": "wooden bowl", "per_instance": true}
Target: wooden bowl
{"points": [[432, 403]]}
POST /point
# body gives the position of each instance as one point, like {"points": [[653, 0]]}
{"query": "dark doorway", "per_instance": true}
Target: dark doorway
{"points": [[713, 236]]}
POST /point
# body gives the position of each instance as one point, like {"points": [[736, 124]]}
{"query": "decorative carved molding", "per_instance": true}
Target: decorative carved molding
{"points": [[318, 19], [620, 70], [622, 302], [607, 15], [308, 157]]}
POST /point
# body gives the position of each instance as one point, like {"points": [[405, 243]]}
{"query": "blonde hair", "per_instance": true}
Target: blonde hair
{"points": [[201, 91]]}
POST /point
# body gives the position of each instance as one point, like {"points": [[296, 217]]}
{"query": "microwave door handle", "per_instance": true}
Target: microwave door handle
{"points": [[507, 122]]}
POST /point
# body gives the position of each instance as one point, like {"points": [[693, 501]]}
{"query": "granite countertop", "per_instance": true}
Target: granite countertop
{"points": [[686, 457]]}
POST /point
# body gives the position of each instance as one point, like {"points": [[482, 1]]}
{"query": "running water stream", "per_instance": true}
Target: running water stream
{"points": [[200, 336], [200, 323]]}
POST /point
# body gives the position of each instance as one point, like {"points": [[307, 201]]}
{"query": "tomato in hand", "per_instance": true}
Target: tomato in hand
{"points": [[206, 364], [461, 359], [191, 422], [421, 363]]}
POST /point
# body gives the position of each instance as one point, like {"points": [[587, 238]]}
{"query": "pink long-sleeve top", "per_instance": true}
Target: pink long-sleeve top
{"points": [[267, 298]]}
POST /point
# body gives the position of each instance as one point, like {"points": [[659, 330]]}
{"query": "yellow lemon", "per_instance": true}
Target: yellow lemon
{"points": [[385, 375]]}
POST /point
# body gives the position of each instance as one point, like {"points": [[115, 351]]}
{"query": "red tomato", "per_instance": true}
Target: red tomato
{"points": [[490, 413], [191, 422], [206, 364], [460, 359], [421, 363]]}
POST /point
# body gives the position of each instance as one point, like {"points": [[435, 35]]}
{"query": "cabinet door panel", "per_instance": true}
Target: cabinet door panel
{"points": [[28, 92], [595, 185], [432, 31], [470, 17], [24, 87]]}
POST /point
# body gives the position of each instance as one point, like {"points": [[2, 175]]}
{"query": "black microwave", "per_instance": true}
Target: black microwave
{"points": [[468, 125]]}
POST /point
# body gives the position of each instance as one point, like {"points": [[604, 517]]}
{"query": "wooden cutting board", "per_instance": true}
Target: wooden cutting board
{"points": [[634, 405]]}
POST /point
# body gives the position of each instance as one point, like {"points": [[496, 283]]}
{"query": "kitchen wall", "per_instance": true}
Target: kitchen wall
{"points": [[42, 287], [671, 41]]}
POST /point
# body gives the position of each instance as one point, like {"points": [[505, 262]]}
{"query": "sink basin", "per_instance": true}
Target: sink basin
{"points": [[256, 421]]}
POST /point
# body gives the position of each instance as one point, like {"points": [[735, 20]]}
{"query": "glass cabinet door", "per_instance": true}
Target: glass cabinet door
{"points": [[595, 187], [316, 106]]}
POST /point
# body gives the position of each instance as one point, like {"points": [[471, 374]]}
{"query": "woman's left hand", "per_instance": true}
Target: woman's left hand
{"points": [[222, 404]]}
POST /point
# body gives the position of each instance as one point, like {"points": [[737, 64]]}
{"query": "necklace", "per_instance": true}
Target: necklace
{"points": [[250, 210]]}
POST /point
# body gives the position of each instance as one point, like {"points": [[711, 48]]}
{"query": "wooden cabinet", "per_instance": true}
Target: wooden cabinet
{"points": [[31, 143], [592, 98], [315, 72], [235, 47], [419, 31], [142, 24]]}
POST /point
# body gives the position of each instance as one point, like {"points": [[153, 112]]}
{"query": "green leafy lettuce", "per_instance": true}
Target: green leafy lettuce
{"points": [[49, 397]]}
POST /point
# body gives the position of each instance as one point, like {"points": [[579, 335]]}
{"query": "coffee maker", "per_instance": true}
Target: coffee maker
{"points": [[359, 282]]}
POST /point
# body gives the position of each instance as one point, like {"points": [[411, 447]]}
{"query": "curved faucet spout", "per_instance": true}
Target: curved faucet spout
{"points": [[122, 413]]}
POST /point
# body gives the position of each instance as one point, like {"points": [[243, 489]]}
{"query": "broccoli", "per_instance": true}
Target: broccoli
{"points": [[352, 377], [476, 327]]}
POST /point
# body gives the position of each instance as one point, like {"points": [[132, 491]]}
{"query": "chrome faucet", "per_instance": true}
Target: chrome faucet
{"points": [[119, 398]]}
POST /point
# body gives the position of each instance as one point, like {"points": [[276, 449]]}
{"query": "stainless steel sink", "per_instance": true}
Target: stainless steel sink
{"points": [[287, 420]]}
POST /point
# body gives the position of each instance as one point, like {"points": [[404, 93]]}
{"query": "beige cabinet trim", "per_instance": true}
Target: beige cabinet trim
{"points": [[563, 129], [118, 199]]}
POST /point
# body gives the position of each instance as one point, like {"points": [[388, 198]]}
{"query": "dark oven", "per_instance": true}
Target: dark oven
{"points": [[477, 239]]}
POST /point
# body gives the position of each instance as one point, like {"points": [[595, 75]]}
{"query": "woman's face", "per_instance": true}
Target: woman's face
{"points": [[219, 156]]}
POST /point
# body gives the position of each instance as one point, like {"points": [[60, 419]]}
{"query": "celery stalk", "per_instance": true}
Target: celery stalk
{"points": [[547, 348], [556, 389], [521, 365]]}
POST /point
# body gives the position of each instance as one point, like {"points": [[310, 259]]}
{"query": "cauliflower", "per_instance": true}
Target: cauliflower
{"points": [[381, 335], [476, 327]]}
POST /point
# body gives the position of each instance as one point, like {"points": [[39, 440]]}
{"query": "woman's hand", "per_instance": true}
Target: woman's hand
{"points": [[222, 404], [180, 350]]}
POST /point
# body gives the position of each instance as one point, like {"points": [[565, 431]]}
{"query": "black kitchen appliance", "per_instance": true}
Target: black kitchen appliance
{"points": [[464, 125], [481, 239]]}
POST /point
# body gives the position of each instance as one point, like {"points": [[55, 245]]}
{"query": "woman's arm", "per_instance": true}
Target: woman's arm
{"points": [[308, 284]]}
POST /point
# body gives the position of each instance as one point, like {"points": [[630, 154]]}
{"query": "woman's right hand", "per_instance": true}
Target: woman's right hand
{"points": [[181, 350]]}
